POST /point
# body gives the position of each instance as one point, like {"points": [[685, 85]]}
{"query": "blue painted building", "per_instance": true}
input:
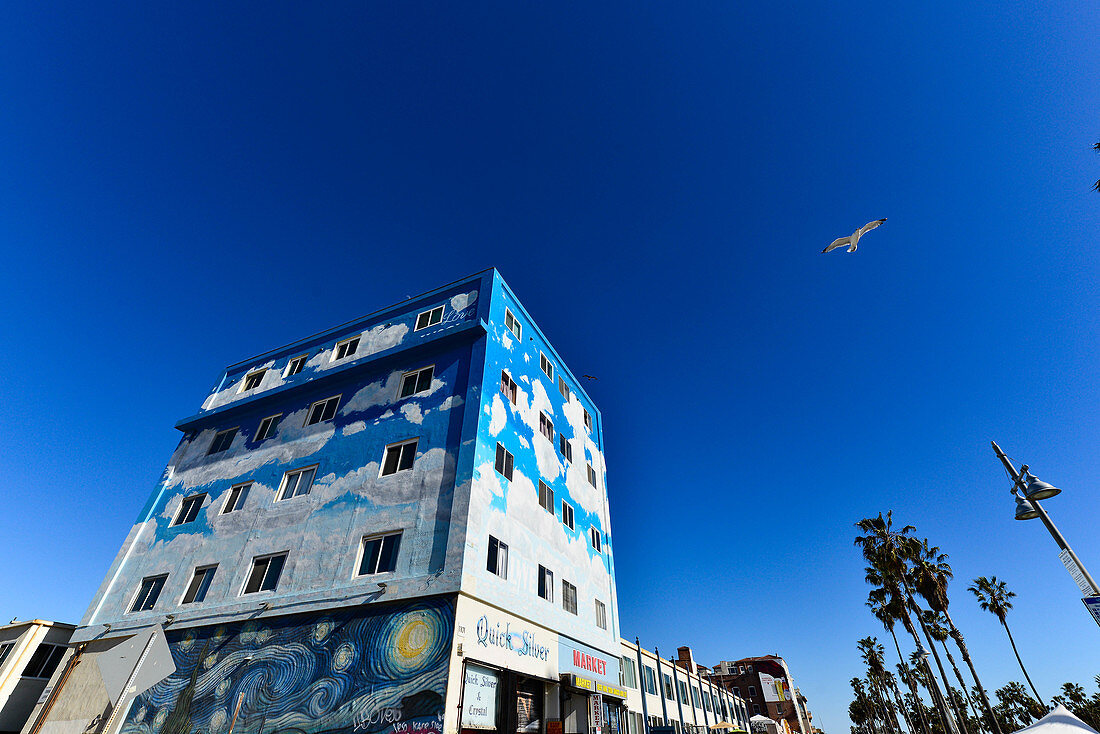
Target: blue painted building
{"points": [[396, 525]]}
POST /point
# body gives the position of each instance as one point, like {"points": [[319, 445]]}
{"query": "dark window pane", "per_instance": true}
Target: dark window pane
{"points": [[408, 386], [500, 459], [274, 570], [491, 560], [330, 409], [371, 551], [305, 481], [408, 453], [258, 569], [389, 463], [387, 561], [424, 379], [508, 459]]}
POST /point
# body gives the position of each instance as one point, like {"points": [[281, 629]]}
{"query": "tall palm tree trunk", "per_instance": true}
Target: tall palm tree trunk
{"points": [[908, 622], [1021, 662], [901, 706], [876, 689], [962, 683], [908, 680], [958, 638], [960, 726]]}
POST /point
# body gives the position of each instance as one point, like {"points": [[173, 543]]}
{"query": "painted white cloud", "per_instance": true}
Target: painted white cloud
{"points": [[452, 401], [412, 413], [382, 392], [462, 300], [498, 415], [355, 427], [271, 379]]}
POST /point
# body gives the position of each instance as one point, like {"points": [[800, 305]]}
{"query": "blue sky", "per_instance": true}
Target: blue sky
{"points": [[181, 188]]}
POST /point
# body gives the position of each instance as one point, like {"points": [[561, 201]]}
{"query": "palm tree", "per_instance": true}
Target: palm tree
{"points": [[887, 611], [939, 633], [887, 551], [932, 572], [994, 597], [872, 653]]}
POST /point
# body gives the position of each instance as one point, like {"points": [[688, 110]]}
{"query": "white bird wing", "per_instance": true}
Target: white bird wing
{"points": [[838, 242], [869, 226]]}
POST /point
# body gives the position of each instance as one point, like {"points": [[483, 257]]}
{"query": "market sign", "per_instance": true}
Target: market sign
{"points": [[584, 662], [588, 684]]}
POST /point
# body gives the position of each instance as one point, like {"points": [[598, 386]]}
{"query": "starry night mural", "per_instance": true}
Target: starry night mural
{"points": [[373, 671]]}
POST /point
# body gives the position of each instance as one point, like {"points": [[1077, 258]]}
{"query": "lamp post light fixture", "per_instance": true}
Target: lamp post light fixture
{"points": [[1028, 491]]}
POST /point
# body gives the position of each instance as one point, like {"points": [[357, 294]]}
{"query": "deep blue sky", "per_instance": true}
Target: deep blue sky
{"points": [[183, 188]]}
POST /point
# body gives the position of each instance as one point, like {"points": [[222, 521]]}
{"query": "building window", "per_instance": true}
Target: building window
{"points": [[546, 426], [682, 689], [566, 448], [596, 539], [504, 462], [628, 673], [547, 366], [417, 381], [5, 648], [736, 691], [649, 680], [222, 441], [601, 615], [295, 365], [189, 509], [148, 593], [252, 380], [591, 475], [752, 691], [546, 583], [322, 410], [497, 561], [235, 498], [564, 389], [568, 597], [587, 419], [512, 324], [265, 573], [567, 514], [428, 318], [695, 697], [756, 708], [508, 387], [399, 457], [667, 680], [44, 661], [297, 483], [267, 427], [742, 670], [200, 584], [750, 668], [345, 349], [379, 554], [546, 497]]}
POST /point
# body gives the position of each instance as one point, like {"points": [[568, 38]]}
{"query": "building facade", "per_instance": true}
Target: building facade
{"points": [[397, 525], [768, 688], [676, 695], [29, 654]]}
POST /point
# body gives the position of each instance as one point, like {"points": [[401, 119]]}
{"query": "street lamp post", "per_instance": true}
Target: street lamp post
{"points": [[1028, 506]]}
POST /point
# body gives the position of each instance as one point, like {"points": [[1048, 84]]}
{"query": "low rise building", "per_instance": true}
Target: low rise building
{"points": [[29, 654], [767, 686]]}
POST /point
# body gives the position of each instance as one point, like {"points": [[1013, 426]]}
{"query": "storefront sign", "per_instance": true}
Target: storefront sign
{"points": [[554, 726], [520, 641], [489, 635], [595, 712], [586, 662], [587, 684], [479, 698]]}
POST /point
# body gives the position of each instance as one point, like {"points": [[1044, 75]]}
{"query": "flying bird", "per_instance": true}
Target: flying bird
{"points": [[852, 240], [591, 377]]}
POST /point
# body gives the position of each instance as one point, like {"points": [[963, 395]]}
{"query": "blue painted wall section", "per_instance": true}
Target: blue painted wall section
{"points": [[371, 670]]}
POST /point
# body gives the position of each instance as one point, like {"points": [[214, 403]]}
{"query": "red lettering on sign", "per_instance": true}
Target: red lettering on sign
{"points": [[590, 663]]}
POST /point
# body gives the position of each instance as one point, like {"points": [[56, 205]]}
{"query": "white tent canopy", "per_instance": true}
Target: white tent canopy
{"points": [[1059, 721]]}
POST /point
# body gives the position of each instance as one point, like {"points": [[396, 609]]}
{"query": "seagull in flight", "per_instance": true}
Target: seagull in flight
{"points": [[852, 240]]}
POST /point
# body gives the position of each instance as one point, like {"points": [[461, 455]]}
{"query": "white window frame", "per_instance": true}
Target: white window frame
{"points": [[210, 449], [131, 608], [546, 581], [264, 431], [181, 513], [509, 462], [566, 588], [565, 448], [571, 524], [252, 567], [587, 419], [601, 617], [415, 374], [546, 426], [499, 565], [516, 332], [254, 373], [592, 478], [399, 446], [513, 394], [595, 539], [322, 419], [351, 352], [290, 363], [281, 496], [381, 537], [546, 497], [564, 389], [546, 366], [213, 569], [429, 321], [238, 491]]}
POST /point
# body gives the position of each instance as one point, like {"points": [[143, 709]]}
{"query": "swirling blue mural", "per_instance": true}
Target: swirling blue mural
{"points": [[371, 671]]}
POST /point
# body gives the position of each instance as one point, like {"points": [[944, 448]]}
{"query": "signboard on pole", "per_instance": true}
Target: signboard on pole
{"points": [[1092, 603], [596, 703], [1075, 571]]}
